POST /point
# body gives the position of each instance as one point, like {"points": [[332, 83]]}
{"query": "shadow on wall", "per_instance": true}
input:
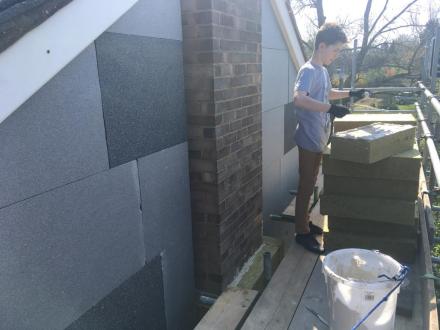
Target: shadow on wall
{"points": [[290, 125]]}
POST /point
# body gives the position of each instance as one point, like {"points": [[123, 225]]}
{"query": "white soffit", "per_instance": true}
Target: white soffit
{"points": [[288, 31], [42, 52]]}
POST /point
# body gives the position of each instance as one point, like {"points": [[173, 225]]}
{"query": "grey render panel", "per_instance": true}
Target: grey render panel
{"points": [[290, 124], [273, 135], [270, 30], [289, 175], [136, 304], [275, 78], [164, 182], [152, 18], [63, 251], [278, 178], [272, 189], [292, 78], [57, 136], [142, 95]]}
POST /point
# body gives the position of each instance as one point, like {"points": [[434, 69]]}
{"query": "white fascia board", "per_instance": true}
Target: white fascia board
{"points": [[41, 53], [288, 31]]}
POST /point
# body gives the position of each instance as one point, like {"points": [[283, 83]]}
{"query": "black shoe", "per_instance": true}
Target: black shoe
{"points": [[309, 242], [314, 229]]}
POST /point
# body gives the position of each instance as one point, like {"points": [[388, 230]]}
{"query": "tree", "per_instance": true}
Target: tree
{"points": [[376, 37], [300, 5], [371, 31]]}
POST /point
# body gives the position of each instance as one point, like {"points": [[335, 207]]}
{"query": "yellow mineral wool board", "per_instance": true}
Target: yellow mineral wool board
{"points": [[373, 228], [372, 143], [369, 208], [356, 120], [403, 250], [402, 166], [367, 187]]}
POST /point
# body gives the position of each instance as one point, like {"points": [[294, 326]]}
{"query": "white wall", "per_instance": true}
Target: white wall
{"points": [[280, 159]]}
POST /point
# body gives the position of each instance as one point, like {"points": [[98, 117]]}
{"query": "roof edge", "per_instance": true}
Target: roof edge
{"points": [[289, 30]]}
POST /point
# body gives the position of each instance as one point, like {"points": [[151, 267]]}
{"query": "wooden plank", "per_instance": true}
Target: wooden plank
{"points": [[282, 317], [229, 310], [278, 302], [429, 303], [269, 302], [315, 297]]}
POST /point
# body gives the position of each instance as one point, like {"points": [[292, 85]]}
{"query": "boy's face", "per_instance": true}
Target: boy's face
{"points": [[329, 52]]}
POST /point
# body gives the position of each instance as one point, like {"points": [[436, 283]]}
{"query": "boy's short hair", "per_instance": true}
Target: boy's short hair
{"points": [[330, 34]]}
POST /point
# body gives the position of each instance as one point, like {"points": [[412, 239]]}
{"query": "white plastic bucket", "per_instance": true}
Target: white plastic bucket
{"points": [[353, 288]]}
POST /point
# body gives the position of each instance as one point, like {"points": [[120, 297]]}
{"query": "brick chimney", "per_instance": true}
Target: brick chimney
{"points": [[222, 56]]}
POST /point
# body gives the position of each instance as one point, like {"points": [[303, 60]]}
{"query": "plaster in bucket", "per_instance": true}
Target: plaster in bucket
{"points": [[354, 288]]}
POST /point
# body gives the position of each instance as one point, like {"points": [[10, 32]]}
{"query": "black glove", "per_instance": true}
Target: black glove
{"points": [[359, 93], [338, 110]]}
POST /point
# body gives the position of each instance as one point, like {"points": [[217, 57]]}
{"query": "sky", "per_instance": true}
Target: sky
{"points": [[352, 10]]}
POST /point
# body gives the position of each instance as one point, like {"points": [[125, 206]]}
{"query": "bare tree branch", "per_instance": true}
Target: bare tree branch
{"points": [[367, 19], [312, 22], [380, 31], [411, 62], [306, 44], [401, 53], [399, 27], [320, 12], [301, 5], [378, 17]]}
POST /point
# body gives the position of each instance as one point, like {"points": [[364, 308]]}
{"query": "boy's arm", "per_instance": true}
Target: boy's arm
{"points": [[336, 94], [300, 99]]}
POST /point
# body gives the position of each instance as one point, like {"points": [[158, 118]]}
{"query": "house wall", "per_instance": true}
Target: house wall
{"points": [[94, 206], [280, 156]]}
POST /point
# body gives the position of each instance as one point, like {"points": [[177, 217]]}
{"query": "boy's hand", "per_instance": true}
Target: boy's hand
{"points": [[359, 93], [338, 111]]}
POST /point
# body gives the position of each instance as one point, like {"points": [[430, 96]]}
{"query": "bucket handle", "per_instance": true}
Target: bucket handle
{"points": [[399, 277], [403, 272]]}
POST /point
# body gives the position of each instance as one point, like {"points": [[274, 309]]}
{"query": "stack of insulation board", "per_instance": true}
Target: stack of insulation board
{"points": [[371, 183]]}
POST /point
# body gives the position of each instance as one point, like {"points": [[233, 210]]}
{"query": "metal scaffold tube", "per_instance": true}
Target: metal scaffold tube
{"points": [[435, 161], [431, 98], [378, 90]]}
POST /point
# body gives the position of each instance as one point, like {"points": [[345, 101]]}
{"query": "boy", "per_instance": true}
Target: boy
{"points": [[311, 99]]}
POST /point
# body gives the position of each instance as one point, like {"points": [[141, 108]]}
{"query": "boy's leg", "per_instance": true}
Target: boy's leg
{"points": [[308, 172], [316, 168]]}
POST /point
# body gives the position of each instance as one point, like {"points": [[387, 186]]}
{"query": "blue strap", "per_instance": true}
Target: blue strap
{"points": [[400, 277]]}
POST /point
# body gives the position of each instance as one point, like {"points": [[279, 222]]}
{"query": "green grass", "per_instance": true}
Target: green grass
{"points": [[406, 106]]}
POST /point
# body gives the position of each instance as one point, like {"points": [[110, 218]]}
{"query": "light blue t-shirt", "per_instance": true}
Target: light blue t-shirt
{"points": [[314, 127]]}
